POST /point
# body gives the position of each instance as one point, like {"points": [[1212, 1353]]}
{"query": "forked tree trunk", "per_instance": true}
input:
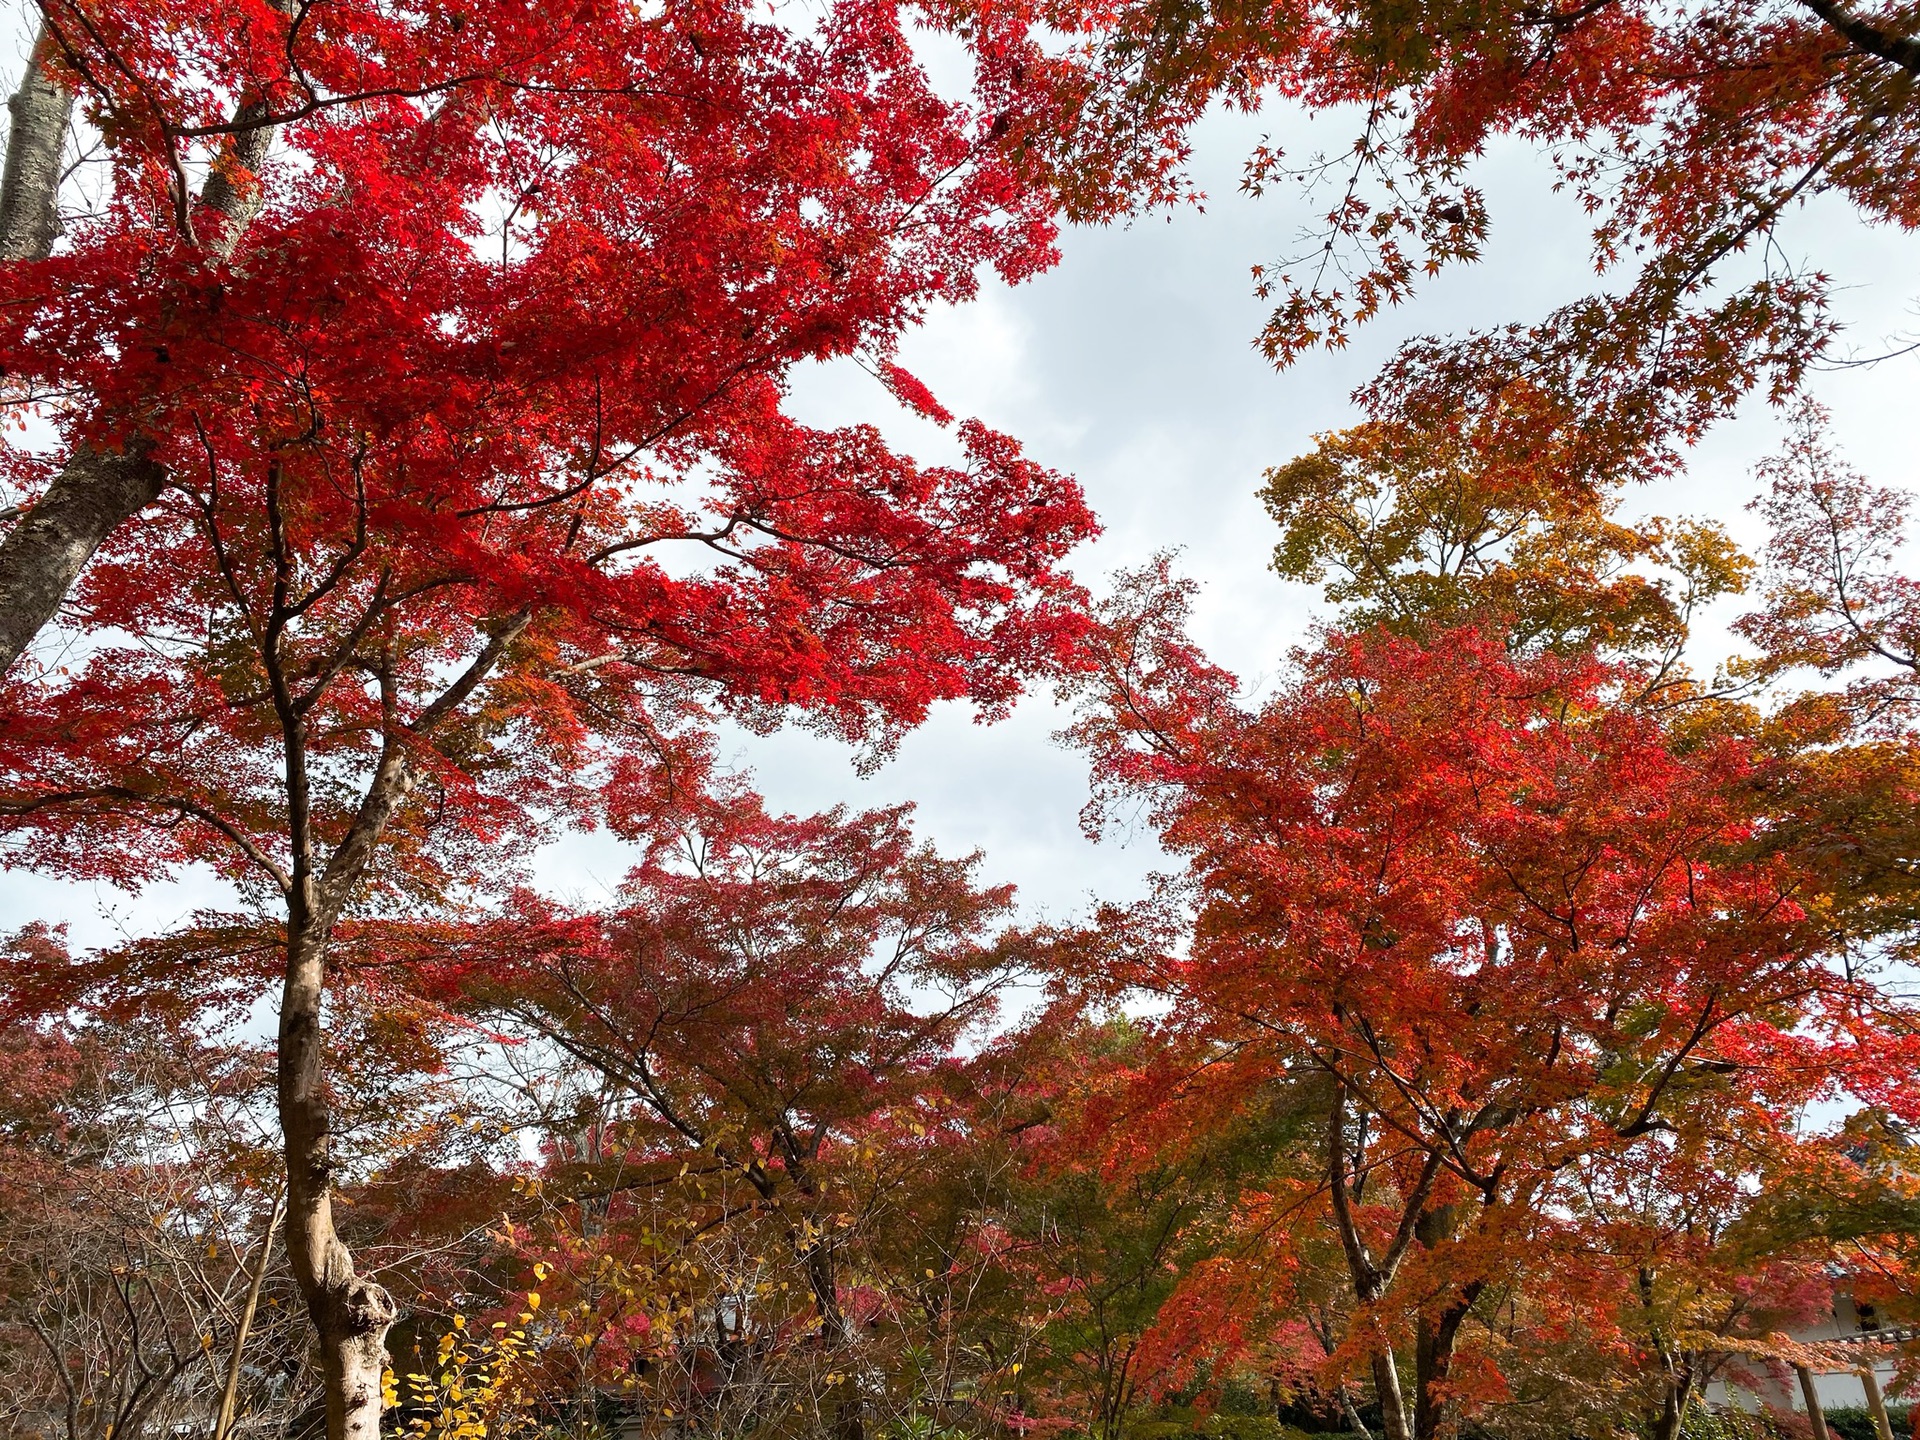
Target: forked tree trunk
{"points": [[1370, 1280], [351, 1315]]}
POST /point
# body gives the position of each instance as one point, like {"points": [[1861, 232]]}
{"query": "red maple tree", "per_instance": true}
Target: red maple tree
{"points": [[1519, 928], [769, 990], [490, 259], [464, 414]]}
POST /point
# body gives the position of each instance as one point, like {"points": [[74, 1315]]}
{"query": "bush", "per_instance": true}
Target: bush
{"points": [[1729, 1424], [1855, 1422], [1223, 1426]]}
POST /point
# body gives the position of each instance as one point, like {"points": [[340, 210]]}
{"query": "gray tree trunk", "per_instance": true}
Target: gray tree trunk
{"points": [[1386, 1389], [42, 111], [97, 490], [44, 553], [351, 1315]]}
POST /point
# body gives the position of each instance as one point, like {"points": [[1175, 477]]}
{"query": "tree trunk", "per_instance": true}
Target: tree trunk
{"points": [[1369, 1280], [1354, 1422], [849, 1411], [1386, 1389], [42, 110], [1816, 1417], [1673, 1405], [1876, 1402], [351, 1315], [233, 193], [43, 554], [96, 490], [1433, 1364]]}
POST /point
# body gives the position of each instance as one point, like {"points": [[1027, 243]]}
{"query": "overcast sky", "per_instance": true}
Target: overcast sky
{"points": [[1131, 366]]}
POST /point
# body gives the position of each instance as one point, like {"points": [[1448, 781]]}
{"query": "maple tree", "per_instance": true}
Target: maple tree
{"points": [[1690, 137], [1424, 526], [1688, 134], [770, 1186], [1838, 605], [1516, 925], [512, 253], [418, 425], [770, 992], [1101, 1249]]}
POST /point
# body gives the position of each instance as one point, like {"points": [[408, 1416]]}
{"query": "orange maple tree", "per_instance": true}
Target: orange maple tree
{"points": [[445, 354], [1520, 929]]}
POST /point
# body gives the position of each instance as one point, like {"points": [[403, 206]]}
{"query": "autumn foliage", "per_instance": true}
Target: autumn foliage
{"points": [[403, 476]]}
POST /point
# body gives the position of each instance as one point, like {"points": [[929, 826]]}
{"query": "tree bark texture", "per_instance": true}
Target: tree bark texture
{"points": [[42, 111], [351, 1315], [1386, 1389], [44, 553], [233, 193]]}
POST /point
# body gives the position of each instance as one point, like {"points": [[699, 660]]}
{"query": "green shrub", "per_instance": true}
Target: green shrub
{"points": [[1223, 1426], [1855, 1422], [1728, 1424]]}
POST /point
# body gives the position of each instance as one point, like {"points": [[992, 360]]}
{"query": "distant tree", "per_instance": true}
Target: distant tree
{"points": [[766, 1028], [1412, 527], [136, 1205]]}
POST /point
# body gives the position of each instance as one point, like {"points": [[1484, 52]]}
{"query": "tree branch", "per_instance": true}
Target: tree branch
{"points": [[1895, 49]]}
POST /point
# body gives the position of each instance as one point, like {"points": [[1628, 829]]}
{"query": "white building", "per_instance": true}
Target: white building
{"points": [[1836, 1389]]}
